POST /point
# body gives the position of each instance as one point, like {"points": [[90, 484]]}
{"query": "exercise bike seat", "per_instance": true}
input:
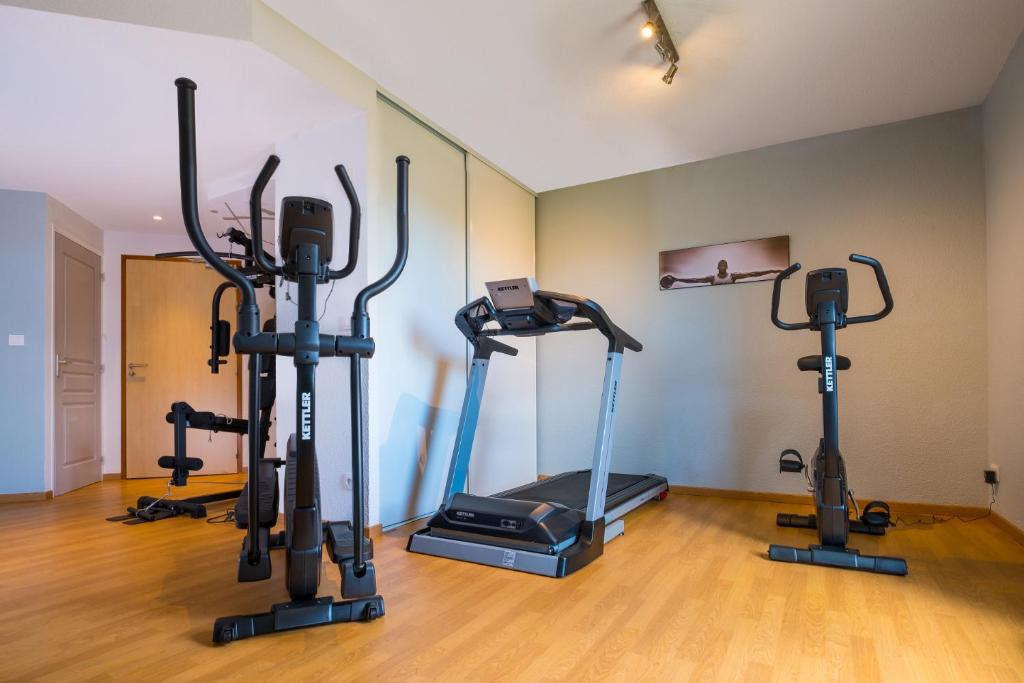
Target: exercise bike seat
{"points": [[813, 363]]}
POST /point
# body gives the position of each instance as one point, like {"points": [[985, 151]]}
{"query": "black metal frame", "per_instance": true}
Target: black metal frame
{"points": [[827, 296], [305, 531]]}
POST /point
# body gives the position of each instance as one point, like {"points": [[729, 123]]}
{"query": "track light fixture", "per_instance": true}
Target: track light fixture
{"points": [[670, 74], [655, 27]]}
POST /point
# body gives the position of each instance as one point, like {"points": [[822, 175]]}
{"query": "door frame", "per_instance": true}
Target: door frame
{"points": [[125, 258]]}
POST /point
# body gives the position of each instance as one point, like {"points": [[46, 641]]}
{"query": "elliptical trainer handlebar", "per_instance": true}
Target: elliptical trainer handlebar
{"points": [[883, 287], [263, 261], [354, 218], [190, 208], [360, 318], [248, 312]]}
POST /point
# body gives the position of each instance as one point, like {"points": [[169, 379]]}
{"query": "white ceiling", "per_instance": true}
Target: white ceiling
{"points": [[88, 115], [564, 92]]}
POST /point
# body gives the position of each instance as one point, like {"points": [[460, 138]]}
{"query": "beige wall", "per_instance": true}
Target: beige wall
{"points": [[1004, 170], [501, 246], [715, 395]]}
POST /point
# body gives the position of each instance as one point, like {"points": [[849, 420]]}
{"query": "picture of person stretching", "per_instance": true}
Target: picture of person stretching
{"points": [[746, 261], [722, 277]]}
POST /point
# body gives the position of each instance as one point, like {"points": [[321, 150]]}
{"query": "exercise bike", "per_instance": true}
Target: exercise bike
{"points": [[306, 236], [827, 296]]}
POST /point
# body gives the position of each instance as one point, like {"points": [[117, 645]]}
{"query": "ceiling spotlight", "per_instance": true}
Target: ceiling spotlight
{"points": [[158, 218], [663, 45], [670, 74]]}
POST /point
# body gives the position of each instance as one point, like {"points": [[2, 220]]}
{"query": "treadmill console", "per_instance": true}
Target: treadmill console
{"points": [[512, 294], [519, 311]]}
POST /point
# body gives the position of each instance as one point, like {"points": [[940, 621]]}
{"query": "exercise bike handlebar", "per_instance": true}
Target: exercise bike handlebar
{"points": [[777, 295], [248, 312], [360, 318], [883, 287]]}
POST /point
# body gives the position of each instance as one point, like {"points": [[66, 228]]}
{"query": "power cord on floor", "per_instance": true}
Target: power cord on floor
{"points": [[931, 520], [225, 518]]}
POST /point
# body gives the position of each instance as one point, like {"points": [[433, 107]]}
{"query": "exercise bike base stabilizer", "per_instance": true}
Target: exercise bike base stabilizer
{"points": [[827, 296]]}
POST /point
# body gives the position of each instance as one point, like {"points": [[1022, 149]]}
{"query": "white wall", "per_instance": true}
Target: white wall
{"points": [[502, 246], [715, 394], [419, 379], [307, 169], [419, 374], [1004, 171]]}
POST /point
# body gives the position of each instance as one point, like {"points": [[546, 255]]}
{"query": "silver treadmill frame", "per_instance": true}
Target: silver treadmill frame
{"points": [[523, 560]]}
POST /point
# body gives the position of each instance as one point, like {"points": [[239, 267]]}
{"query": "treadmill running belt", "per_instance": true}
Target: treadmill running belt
{"points": [[571, 489]]}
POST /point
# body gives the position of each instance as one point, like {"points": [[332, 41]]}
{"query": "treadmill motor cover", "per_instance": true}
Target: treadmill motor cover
{"points": [[544, 523]]}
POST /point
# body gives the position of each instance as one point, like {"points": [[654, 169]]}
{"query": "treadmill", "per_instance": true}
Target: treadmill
{"points": [[556, 525]]}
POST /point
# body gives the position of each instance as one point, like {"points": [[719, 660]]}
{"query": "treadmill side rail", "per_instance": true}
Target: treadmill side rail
{"points": [[458, 470], [603, 444]]}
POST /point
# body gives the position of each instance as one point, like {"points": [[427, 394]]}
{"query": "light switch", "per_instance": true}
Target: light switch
{"points": [[15, 340]]}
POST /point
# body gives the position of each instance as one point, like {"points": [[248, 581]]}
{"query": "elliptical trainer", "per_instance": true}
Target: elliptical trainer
{"points": [[827, 296], [306, 240]]}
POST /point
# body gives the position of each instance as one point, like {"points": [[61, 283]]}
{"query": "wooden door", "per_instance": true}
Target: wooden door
{"points": [[76, 387], [165, 346]]}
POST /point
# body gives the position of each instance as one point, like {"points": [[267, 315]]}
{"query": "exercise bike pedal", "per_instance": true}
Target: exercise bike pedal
{"points": [[791, 461], [875, 519]]}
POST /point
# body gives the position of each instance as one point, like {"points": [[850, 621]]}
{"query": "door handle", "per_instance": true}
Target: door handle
{"points": [[60, 362], [133, 366]]}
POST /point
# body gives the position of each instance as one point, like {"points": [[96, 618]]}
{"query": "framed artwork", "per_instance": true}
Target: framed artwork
{"points": [[723, 264]]}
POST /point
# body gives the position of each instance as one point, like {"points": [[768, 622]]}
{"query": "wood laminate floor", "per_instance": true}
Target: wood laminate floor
{"points": [[686, 594]]}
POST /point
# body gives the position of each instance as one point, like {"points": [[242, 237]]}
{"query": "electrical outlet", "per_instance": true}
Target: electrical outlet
{"points": [[992, 475]]}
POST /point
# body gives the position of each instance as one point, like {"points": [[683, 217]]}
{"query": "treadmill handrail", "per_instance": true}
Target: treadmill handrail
{"points": [[472, 318], [618, 339]]}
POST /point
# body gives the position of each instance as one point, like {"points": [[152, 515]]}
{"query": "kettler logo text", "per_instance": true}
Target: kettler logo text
{"points": [[307, 416], [464, 514], [508, 288], [829, 375]]}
